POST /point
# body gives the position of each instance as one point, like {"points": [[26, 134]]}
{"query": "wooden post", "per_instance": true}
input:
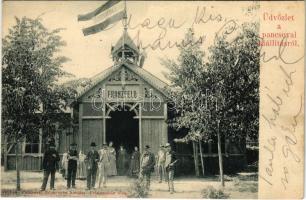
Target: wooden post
{"points": [[104, 123], [23, 145], [71, 126], [5, 146], [81, 127], [104, 106], [196, 158], [202, 161], [40, 147], [165, 131], [140, 132], [18, 188], [220, 155]]}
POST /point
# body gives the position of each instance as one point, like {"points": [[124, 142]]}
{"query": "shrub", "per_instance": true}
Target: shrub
{"points": [[137, 190], [243, 186], [212, 193], [248, 187], [236, 182]]}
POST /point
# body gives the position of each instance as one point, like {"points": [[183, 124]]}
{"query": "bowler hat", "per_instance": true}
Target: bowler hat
{"points": [[73, 144], [147, 147], [93, 144]]}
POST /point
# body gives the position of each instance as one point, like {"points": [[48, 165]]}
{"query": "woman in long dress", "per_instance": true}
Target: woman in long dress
{"points": [[81, 172], [122, 160], [65, 164], [135, 163], [112, 157]]}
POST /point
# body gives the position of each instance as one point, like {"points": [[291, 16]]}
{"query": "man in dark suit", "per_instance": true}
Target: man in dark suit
{"points": [[91, 160], [72, 165], [50, 163], [147, 163]]}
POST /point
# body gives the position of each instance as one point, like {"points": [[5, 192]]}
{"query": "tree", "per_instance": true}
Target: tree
{"points": [[235, 69], [31, 67], [235, 72], [219, 97], [186, 77]]}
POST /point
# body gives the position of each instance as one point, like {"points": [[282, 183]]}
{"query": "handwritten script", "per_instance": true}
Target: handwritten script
{"points": [[202, 15], [286, 140]]}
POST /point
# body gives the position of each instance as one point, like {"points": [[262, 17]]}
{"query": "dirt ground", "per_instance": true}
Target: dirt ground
{"points": [[242, 186]]}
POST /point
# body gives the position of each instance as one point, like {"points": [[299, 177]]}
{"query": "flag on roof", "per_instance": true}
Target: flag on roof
{"points": [[105, 15]]}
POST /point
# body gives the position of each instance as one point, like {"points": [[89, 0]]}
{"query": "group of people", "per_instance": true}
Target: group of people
{"points": [[81, 167], [166, 160], [102, 163], [120, 163]]}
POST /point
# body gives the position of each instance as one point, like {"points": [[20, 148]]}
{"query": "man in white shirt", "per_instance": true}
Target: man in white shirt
{"points": [[161, 158], [103, 164]]}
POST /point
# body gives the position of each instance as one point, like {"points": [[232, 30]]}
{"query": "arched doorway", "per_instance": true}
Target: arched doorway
{"points": [[122, 128]]}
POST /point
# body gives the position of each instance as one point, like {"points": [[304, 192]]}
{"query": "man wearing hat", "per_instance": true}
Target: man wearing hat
{"points": [[169, 165], [50, 162], [161, 158], [104, 161], [91, 160], [147, 163], [72, 165]]}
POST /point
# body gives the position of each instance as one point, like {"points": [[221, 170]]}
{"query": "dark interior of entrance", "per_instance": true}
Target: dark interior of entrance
{"points": [[122, 129]]}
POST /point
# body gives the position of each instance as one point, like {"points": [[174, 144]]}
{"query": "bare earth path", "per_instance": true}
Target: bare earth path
{"points": [[119, 187]]}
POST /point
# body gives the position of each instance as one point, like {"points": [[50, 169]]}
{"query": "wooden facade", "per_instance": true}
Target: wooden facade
{"points": [[31, 152], [122, 91]]}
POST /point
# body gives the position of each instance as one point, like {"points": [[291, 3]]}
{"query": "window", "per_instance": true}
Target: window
{"points": [[32, 144]]}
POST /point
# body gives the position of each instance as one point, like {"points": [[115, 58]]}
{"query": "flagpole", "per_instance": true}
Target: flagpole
{"points": [[124, 28]]}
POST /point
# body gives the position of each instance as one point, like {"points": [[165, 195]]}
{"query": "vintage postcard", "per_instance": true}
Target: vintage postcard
{"points": [[153, 99]]}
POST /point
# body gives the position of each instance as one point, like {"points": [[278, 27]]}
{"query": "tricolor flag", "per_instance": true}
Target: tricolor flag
{"points": [[108, 13]]}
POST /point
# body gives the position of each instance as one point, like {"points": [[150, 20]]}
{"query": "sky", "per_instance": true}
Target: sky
{"points": [[90, 55]]}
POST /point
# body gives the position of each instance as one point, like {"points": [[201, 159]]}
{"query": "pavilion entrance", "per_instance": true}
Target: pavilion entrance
{"points": [[122, 128]]}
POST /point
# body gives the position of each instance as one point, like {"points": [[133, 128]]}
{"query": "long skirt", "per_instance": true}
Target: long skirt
{"points": [[112, 166], [134, 167], [81, 172]]}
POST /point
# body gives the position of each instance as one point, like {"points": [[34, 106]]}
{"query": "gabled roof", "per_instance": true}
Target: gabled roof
{"points": [[144, 74], [147, 76], [127, 41], [98, 78]]}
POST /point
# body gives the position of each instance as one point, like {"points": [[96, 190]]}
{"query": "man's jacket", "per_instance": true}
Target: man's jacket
{"points": [[147, 162], [170, 160], [92, 159], [50, 160], [72, 163]]}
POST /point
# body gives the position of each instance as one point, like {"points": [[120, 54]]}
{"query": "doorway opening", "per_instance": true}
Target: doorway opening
{"points": [[123, 129]]}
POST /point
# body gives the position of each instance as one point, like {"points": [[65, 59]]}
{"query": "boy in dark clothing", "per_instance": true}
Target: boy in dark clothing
{"points": [[50, 163], [72, 165]]}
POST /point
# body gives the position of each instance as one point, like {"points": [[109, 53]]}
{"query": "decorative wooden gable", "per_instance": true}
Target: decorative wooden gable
{"points": [[123, 85], [124, 76]]}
